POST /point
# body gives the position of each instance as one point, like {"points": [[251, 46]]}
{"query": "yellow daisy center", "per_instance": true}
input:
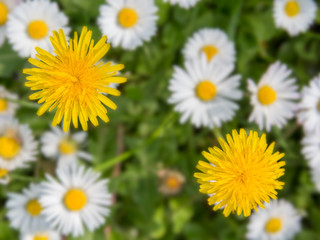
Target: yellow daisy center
{"points": [[172, 182], [242, 174], [41, 237], [9, 147], [3, 105], [292, 8], [127, 17], [67, 147], [210, 51], [75, 199], [273, 225], [266, 95], [33, 207], [3, 13], [38, 29], [73, 81], [206, 90], [3, 172]]}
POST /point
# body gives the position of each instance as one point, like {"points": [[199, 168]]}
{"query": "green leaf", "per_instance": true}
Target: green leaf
{"points": [[181, 213], [159, 227]]}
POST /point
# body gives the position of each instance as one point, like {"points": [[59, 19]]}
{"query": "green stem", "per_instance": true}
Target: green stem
{"points": [[234, 19], [291, 130], [113, 161], [24, 103], [217, 133], [124, 156], [281, 140]]}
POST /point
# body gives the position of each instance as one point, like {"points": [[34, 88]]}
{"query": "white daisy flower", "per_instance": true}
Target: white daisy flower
{"points": [[5, 8], [309, 107], [311, 149], [25, 210], [78, 198], [183, 3], [65, 147], [7, 108], [315, 177], [295, 16], [41, 235], [17, 144], [213, 42], [204, 92], [278, 221], [128, 23], [272, 98], [113, 85], [31, 23]]}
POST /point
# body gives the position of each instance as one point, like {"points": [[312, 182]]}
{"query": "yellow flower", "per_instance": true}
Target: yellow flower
{"points": [[241, 175], [74, 81]]}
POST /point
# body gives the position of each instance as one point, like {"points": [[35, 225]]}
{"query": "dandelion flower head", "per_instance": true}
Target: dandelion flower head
{"points": [[242, 175], [73, 81]]}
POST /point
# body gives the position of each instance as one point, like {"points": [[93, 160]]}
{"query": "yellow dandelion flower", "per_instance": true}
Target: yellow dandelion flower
{"points": [[241, 175], [74, 80]]}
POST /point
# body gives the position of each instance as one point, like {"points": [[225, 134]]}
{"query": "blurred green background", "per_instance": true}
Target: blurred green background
{"points": [[146, 135]]}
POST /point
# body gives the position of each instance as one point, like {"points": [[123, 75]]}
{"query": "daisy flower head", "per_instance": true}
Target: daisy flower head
{"points": [[242, 174], [212, 42], [72, 82], [183, 3], [204, 92], [315, 177], [278, 221], [172, 181], [17, 144], [41, 235], [25, 210], [295, 16], [273, 97], [7, 108], [6, 7], [128, 23], [309, 106], [75, 200], [65, 147], [311, 149], [31, 23]]}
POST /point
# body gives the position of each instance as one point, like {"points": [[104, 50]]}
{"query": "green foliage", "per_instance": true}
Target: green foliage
{"points": [[140, 211]]}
